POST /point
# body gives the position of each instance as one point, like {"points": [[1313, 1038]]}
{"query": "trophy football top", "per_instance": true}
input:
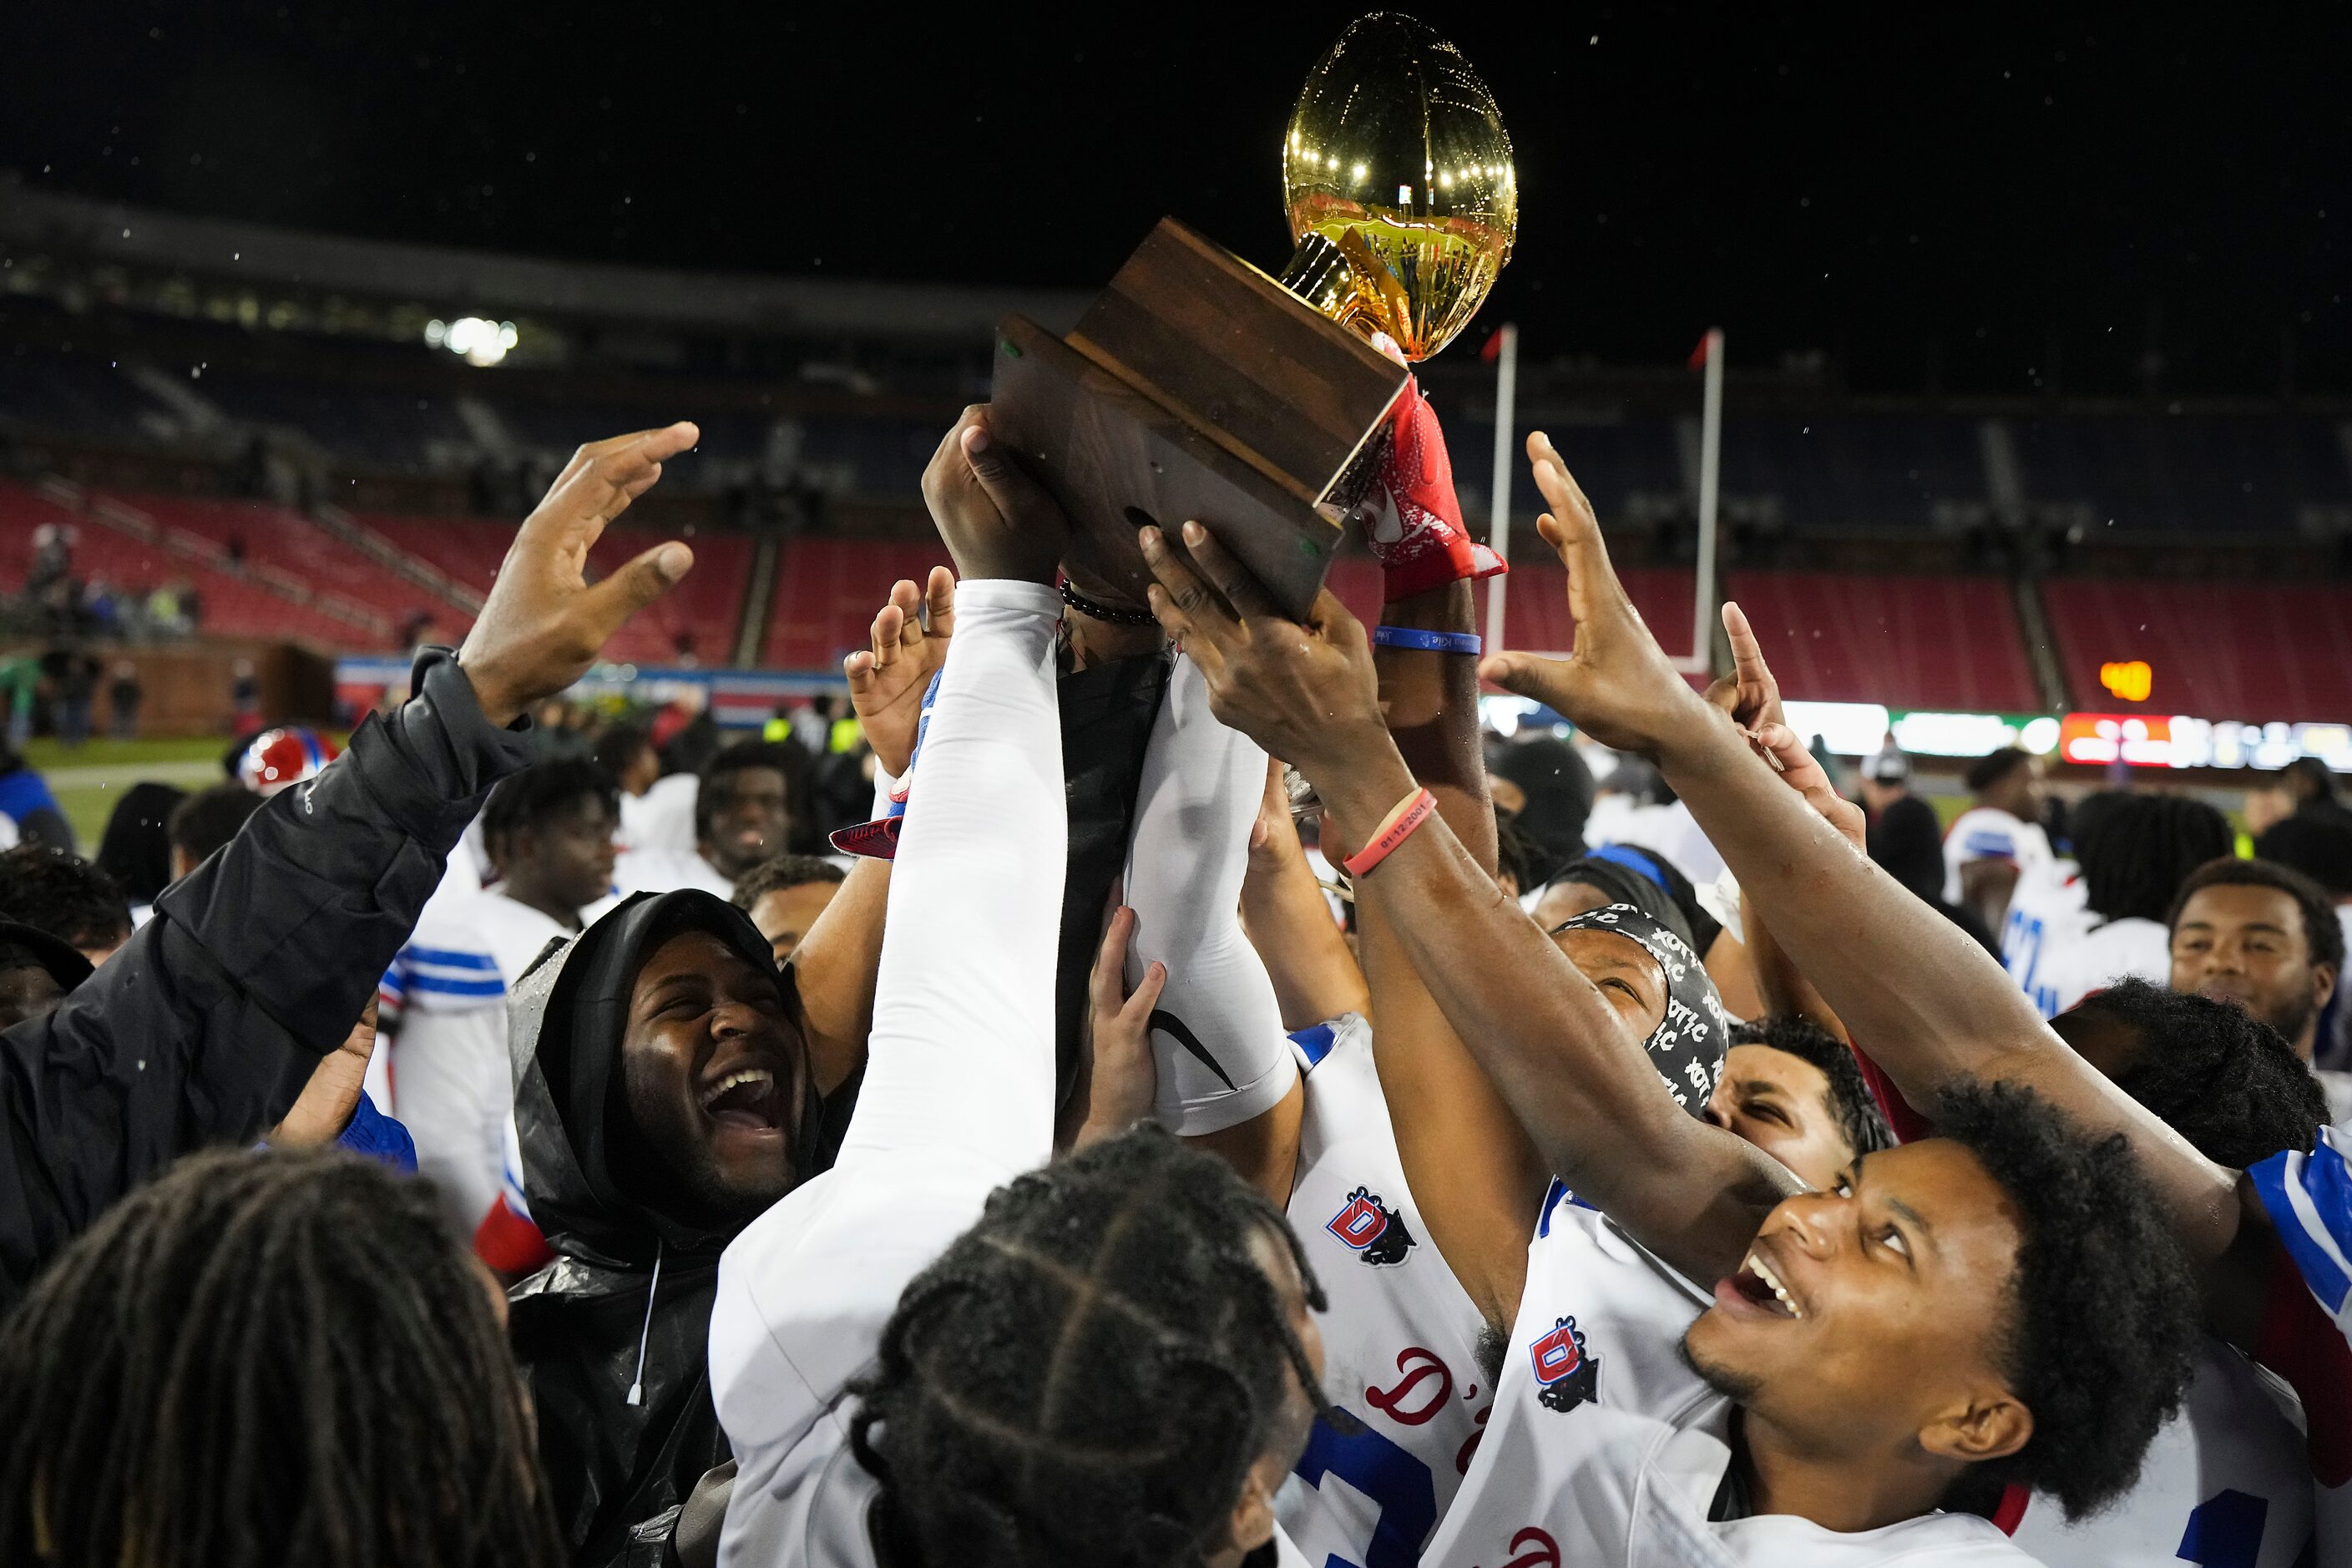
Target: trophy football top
{"points": [[1397, 155]]}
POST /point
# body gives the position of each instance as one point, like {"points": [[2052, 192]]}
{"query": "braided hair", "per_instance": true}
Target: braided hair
{"points": [[261, 1359], [1089, 1374], [2135, 853]]}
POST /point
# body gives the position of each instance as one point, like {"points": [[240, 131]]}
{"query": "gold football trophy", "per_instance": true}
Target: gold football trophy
{"points": [[1197, 386], [1397, 177]]}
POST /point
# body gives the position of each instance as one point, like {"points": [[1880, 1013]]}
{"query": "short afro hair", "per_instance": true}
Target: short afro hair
{"points": [[1994, 766], [2321, 932], [2318, 846], [542, 791], [1856, 1109], [209, 819], [1128, 1269], [787, 757], [63, 895], [778, 872], [2105, 1312], [620, 745], [2213, 1073]]}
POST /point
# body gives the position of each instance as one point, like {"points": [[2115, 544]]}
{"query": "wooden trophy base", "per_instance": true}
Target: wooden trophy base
{"points": [[1196, 387]]}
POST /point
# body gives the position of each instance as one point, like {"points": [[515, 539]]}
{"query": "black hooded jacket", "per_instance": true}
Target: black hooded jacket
{"points": [[618, 1471], [205, 1026]]}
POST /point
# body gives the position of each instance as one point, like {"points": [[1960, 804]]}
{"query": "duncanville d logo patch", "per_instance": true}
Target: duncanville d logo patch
{"points": [[1375, 1231], [1567, 1375]]}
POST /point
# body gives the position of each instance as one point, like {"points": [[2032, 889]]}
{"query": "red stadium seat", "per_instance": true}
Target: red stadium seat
{"points": [[706, 608], [2250, 651], [1908, 642], [233, 606]]}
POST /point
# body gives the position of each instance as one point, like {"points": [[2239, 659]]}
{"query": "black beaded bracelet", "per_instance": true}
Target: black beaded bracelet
{"points": [[1117, 618]]}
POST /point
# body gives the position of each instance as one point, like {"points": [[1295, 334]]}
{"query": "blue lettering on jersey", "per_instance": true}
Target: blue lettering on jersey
{"points": [[1390, 1475]]}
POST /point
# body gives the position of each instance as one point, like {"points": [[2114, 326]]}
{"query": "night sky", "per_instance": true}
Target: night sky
{"points": [[1981, 200]]}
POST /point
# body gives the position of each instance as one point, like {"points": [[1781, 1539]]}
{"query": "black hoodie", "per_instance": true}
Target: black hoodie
{"points": [[618, 1471]]}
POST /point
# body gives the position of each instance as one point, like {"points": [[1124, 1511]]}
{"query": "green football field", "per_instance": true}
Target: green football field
{"points": [[89, 778]]}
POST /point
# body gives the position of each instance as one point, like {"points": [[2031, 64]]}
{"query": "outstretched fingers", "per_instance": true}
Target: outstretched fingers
{"points": [[938, 602], [1803, 772], [1759, 693]]}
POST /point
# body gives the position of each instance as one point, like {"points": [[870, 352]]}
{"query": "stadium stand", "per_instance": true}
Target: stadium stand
{"points": [[132, 554], [2250, 651], [706, 610], [1906, 642], [2207, 473], [138, 392]]}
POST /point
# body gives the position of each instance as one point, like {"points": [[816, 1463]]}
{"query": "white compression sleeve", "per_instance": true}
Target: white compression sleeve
{"points": [[1216, 1036], [961, 1053]]}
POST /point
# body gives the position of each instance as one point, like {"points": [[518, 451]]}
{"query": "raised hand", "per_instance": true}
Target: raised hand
{"points": [[1749, 693], [888, 681], [331, 1097], [995, 520], [1119, 1079], [544, 622], [1307, 693], [1616, 684]]}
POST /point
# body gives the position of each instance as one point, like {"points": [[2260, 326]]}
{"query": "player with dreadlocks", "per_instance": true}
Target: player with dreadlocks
{"points": [[2135, 854], [265, 1359], [1108, 1363]]}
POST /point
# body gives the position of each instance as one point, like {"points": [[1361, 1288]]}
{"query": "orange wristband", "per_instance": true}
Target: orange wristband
{"points": [[1395, 828]]}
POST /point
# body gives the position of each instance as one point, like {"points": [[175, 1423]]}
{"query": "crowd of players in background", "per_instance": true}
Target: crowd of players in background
{"points": [[1594, 1170]]}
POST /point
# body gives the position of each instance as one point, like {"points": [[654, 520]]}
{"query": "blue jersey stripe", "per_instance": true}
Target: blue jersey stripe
{"points": [[443, 987], [448, 958], [2319, 1270]]}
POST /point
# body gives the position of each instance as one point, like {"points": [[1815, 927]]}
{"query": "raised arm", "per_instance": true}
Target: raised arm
{"points": [[958, 1096], [1474, 1171], [205, 1027], [1932, 1006], [836, 964], [1556, 1051], [1288, 920]]}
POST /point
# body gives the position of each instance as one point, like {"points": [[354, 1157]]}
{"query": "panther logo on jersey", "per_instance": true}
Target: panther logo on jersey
{"points": [[1567, 1374], [1374, 1230]]}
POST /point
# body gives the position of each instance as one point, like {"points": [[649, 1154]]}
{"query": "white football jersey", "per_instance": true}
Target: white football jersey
{"points": [[2100, 953], [1400, 1339], [2046, 911], [1989, 833], [1605, 1447], [657, 870], [2309, 1198], [449, 1078], [662, 818], [2225, 1482]]}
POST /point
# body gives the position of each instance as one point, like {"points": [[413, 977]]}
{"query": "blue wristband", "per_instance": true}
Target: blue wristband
{"points": [[1427, 642]]}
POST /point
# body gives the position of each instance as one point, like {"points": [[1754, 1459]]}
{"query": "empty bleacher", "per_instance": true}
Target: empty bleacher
{"points": [[2249, 651], [2213, 473], [1947, 643], [699, 618], [115, 552]]}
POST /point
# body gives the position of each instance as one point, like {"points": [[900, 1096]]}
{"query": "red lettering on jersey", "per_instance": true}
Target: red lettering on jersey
{"points": [[1358, 1223], [1535, 1549], [1470, 1444], [1418, 1366], [1557, 1353]]}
